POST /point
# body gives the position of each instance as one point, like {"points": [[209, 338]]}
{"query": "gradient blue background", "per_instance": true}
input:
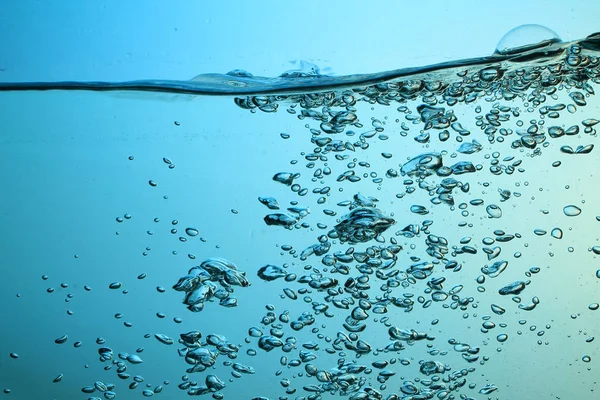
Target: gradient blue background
{"points": [[66, 177]]}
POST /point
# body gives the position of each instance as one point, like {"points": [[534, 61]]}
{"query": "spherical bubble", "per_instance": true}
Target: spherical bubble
{"points": [[502, 337], [525, 37]]}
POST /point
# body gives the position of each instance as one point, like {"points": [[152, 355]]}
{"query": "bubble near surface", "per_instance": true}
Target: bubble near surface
{"points": [[524, 37]]}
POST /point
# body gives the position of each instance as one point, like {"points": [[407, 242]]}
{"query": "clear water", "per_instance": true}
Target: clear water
{"points": [[427, 233]]}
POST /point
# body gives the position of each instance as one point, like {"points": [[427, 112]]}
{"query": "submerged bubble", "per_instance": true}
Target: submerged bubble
{"points": [[571, 210], [61, 339], [495, 269], [487, 389], [557, 233], [526, 37], [362, 225], [494, 211], [163, 339], [270, 202], [271, 272], [191, 231]]}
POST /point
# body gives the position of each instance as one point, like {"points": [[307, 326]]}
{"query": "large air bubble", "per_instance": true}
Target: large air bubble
{"points": [[526, 37]]}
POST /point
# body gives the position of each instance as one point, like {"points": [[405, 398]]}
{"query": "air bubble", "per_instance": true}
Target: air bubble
{"points": [[526, 37], [502, 337], [571, 210]]}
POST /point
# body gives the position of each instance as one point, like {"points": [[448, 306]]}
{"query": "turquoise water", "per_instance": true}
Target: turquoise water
{"points": [[413, 234]]}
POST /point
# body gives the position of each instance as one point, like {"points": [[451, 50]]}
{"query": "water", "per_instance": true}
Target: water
{"points": [[413, 234]]}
